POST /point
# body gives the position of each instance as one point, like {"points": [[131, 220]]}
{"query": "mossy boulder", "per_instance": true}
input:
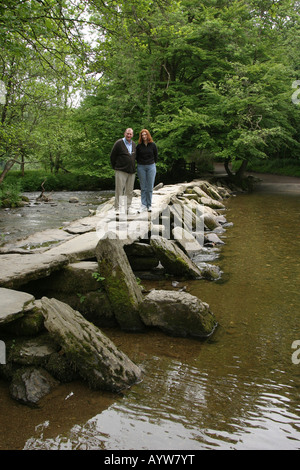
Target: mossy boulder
{"points": [[173, 259], [93, 355], [120, 284]]}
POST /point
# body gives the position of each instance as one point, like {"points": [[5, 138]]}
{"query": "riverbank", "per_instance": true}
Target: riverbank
{"points": [[267, 181]]}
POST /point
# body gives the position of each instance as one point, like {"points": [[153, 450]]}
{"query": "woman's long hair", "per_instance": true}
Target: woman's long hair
{"points": [[149, 138]]}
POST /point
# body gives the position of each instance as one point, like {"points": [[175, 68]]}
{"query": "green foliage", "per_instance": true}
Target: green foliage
{"points": [[209, 78], [33, 179], [10, 195], [98, 277], [286, 167]]}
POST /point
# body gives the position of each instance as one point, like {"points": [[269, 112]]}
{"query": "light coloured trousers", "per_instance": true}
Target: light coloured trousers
{"points": [[124, 183]]}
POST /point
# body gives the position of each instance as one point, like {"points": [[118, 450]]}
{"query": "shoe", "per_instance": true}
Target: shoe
{"points": [[131, 211], [142, 209], [149, 209]]}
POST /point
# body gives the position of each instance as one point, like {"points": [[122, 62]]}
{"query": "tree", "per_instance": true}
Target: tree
{"points": [[43, 58]]}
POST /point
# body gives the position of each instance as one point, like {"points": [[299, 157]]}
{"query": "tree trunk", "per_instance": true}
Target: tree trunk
{"points": [[226, 166], [242, 169], [238, 178], [8, 165]]}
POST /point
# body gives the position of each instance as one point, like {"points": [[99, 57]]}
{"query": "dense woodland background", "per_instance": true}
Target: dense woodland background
{"points": [[213, 80]]}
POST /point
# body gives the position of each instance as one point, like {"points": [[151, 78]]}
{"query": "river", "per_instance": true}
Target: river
{"points": [[239, 390]]}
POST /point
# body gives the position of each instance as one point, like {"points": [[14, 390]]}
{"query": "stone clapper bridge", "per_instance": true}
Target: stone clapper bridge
{"points": [[60, 286]]}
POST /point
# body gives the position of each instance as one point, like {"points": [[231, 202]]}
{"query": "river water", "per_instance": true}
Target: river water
{"points": [[237, 390]]}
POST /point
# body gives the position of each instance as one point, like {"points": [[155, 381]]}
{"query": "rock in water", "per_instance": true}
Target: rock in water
{"points": [[94, 355], [178, 313], [174, 259], [120, 284], [29, 385]]}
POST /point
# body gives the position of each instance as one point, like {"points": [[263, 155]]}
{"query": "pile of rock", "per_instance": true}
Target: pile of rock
{"points": [[83, 287]]}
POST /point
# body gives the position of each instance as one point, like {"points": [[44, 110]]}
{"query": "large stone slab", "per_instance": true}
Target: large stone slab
{"points": [[13, 304], [78, 248], [173, 259], [17, 269], [39, 241], [120, 284], [94, 355]]}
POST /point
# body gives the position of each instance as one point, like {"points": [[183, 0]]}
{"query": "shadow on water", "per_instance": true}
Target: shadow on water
{"points": [[237, 390]]}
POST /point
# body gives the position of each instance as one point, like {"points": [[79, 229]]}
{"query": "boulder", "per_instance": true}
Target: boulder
{"points": [[94, 356], [198, 191], [30, 324], [210, 221], [30, 384], [142, 263], [210, 271], [210, 190], [208, 201], [178, 314], [139, 249], [120, 284], [141, 256], [213, 238], [173, 259]]}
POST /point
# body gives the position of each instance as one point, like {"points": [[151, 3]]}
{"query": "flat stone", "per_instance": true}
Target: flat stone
{"points": [[12, 304], [17, 269], [80, 247], [39, 241]]}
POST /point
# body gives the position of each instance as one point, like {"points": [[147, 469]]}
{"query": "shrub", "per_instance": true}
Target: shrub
{"points": [[10, 195]]}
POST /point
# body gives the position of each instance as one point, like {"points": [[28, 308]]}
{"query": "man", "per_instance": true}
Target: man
{"points": [[122, 159]]}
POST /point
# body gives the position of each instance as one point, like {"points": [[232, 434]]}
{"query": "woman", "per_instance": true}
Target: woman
{"points": [[146, 157]]}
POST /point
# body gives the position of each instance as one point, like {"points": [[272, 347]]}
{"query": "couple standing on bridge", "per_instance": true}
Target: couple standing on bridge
{"points": [[124, 155]]}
